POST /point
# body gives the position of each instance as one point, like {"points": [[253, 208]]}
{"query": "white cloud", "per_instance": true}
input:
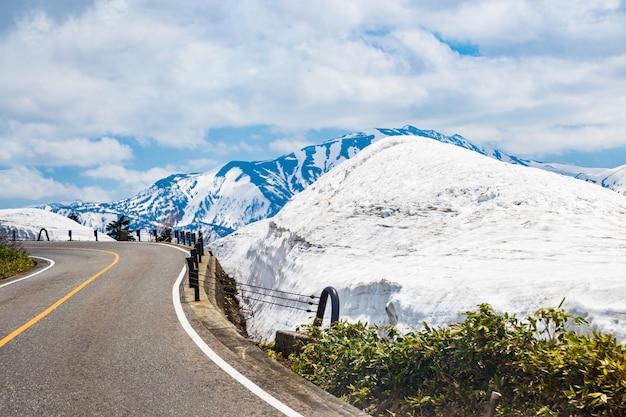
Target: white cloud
{"points": [[490, 21], [43, 144], [167, 73], [199, 165], [288, 145], [81, 152], [574, 28], [29, 184], [131, 179], [250, 148]]}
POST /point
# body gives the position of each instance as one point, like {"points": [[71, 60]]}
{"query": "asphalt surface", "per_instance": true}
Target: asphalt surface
{"points": [[115, 347]]}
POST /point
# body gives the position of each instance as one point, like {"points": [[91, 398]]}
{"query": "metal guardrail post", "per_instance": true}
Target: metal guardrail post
{"points": [[321, 307], [493, 404], [194, 256], [190, 267], [47, 236], [201, 241], [193, 277], [199, 251]]}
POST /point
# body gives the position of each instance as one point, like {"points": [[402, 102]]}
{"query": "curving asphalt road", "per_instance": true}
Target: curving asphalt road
{"points": [[97, 334]]}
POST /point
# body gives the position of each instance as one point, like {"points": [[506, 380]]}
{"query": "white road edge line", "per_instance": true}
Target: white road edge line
{"points": [[32, 275], [226, 367]]}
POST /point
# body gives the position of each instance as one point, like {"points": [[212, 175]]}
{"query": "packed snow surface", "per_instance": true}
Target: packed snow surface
{"points": [[412, 230], [27, 223]]}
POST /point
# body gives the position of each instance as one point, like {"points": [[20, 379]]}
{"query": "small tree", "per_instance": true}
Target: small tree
{"points": [[119, 229], [74, 216], [166, 226]]}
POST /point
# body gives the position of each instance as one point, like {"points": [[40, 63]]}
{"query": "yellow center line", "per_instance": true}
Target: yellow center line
{"points": [[47, 311]]}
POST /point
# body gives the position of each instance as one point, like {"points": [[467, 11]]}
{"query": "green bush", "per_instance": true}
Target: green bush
{"points": [[539, 365], [13, 260]]}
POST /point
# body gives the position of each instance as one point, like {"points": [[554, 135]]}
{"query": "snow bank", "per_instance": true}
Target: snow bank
{"points": [[28, 222], [413, 230]]}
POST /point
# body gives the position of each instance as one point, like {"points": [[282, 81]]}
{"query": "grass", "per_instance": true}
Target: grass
{"points": [[13, 260], [541, 365]]}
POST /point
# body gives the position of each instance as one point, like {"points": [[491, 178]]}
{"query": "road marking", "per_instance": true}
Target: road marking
{"points": [[47, 311], [32, 275], [225, 366]]}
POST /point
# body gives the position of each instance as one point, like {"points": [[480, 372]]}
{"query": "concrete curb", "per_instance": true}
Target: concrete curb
{"points": [[243, 354]]}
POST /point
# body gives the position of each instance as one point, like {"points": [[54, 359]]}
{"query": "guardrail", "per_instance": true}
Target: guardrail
{"points": [[321, 307], [182, 237], [192, 270], [47, 236], [22, 235], [302, 302], [193, 265]]}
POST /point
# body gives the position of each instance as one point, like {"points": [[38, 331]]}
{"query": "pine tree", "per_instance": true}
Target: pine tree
{"points": [[119, 229]]}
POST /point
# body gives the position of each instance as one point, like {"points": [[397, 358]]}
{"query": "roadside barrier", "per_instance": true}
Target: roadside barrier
{"points": [[193, 265], [254, 293], [23, 235], [47, 236], [321, 307], [251, 294], [181, 237]]}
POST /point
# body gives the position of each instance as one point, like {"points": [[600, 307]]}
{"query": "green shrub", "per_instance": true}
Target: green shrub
{"points": [[539, 365], [13, 260]]}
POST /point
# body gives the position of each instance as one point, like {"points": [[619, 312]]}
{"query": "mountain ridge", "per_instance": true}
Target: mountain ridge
{"points": [[237, 193]]}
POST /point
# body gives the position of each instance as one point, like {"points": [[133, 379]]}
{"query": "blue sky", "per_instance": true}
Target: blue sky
{"points": [[99, 99]]}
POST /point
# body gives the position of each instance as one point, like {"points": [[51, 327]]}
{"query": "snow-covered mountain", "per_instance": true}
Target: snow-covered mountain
{"points": [[239, 193], [412, 230], [611, 178], [227, 198]]}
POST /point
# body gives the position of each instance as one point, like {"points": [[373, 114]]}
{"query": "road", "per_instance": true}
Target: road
{"points": [[96, 334]]}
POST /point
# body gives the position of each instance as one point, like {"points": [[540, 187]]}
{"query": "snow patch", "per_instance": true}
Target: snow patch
{"points": [[27, 223]]}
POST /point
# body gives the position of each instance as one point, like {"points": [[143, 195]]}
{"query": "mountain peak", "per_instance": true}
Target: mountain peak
{"points": [[240, 192]]}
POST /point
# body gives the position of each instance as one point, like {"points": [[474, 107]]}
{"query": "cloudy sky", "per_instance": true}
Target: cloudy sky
{"points": [[99, 99]]}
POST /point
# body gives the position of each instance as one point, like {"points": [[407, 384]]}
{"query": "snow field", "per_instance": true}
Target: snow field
{"points": [[28, 222], [414, 230]]}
